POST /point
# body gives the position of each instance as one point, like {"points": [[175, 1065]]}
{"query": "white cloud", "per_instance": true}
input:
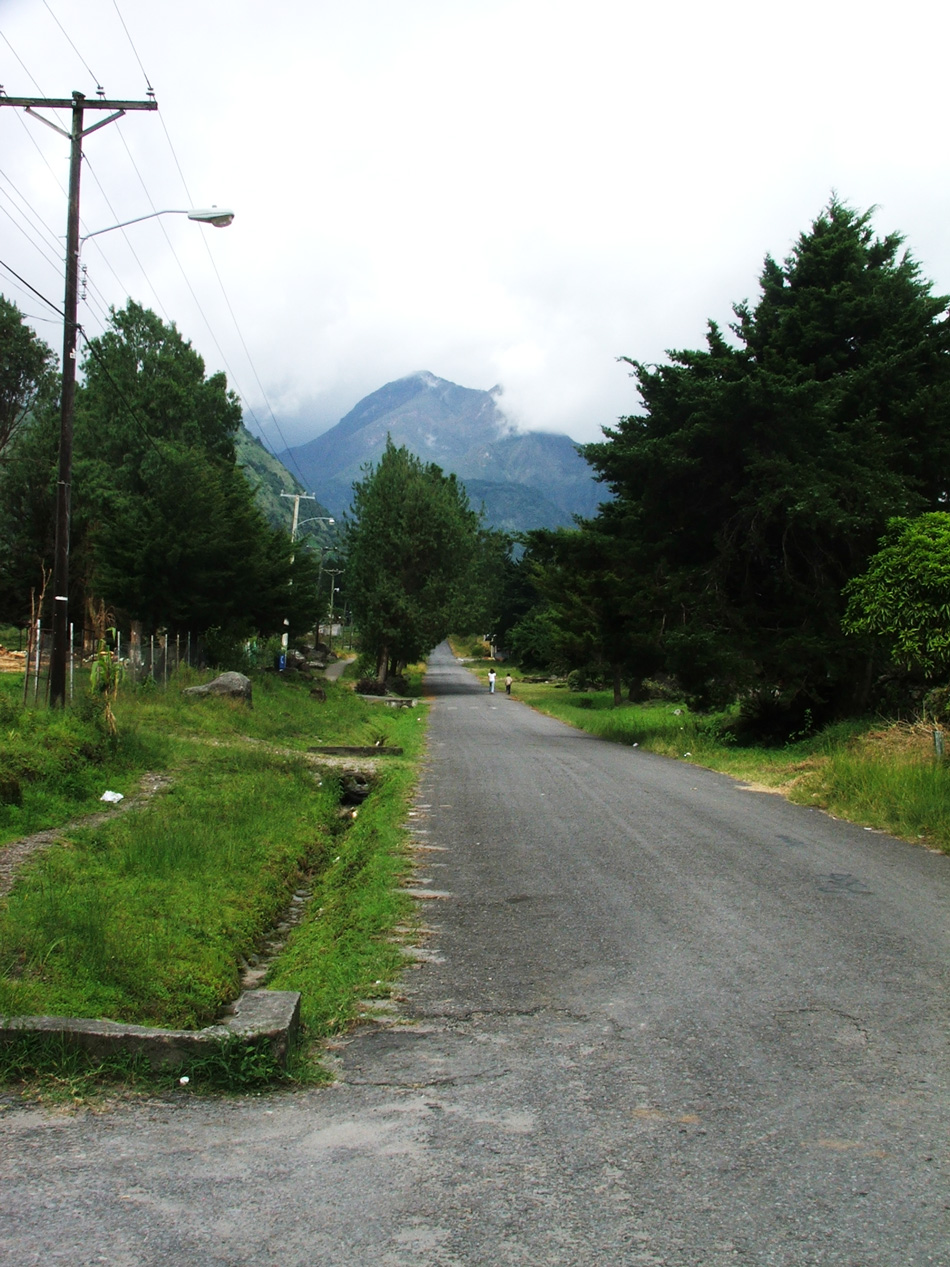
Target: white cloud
{"points": [[513, 191]]}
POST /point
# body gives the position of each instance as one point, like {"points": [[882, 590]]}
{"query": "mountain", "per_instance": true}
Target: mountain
{"points": [[524, 480], [269, 478]]}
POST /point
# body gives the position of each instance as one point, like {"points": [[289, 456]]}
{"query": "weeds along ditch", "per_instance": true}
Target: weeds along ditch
{"points": [[149, 916], [876, 773]]}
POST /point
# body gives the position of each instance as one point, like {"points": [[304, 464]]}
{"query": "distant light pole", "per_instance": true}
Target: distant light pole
{"points": [[334, 589], [318, 519], [314, 519], [298, 498]]}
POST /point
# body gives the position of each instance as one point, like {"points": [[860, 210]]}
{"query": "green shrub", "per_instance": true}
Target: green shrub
{"points": [[936, 705]]}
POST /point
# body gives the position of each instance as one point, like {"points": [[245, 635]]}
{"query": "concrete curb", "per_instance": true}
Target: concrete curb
{"points": [[261, 1018]]}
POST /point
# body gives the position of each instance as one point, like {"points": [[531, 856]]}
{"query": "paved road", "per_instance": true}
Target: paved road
{"points": [[664, 1021]]}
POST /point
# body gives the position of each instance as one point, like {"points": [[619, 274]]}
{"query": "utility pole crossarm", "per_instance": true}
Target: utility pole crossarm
{"points": [[67, 103]]}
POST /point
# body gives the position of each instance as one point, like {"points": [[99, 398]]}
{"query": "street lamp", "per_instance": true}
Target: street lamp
{"points": [[297, 499], [219, 217], [314, 519]]}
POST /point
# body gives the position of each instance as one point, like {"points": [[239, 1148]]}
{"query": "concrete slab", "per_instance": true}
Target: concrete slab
{"points": [[268, 1018]]}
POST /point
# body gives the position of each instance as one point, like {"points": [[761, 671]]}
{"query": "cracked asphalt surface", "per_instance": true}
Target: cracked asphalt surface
{"points": [[661, 1020]]}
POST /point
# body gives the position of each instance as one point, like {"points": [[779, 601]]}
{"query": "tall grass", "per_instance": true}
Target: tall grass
{"points": [[340, 954], [55, 764], [907, 796]]}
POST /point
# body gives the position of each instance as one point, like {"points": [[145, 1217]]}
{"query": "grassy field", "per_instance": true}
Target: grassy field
{"points": [[878, 774], [150, 915]]}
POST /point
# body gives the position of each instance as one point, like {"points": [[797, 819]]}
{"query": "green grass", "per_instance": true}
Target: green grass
{"points": [[872, 773], [343, 953], [55, 765], [147, 918]]}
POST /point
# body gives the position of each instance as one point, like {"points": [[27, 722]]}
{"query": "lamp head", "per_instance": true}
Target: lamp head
{"points": [[220, 217]]}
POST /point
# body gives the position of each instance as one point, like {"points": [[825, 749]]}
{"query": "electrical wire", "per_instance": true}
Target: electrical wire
{"points": [[23, 64], [95, 353], [224, 293], [232, 376], [72, 45], [92, 171], [38, 219], [135, 53], [32, 241], [22, 280]]}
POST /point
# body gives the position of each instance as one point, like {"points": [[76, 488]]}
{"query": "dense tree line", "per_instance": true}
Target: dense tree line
{"points": [[755, 483], [164, 525]]}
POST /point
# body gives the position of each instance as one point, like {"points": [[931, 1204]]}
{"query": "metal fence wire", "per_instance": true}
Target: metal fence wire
{"points": [[153, 657]]}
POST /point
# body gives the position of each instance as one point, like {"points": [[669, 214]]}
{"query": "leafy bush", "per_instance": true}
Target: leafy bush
{"points": [[936, 704], [768, 716], [660, 688], [370, 686]]}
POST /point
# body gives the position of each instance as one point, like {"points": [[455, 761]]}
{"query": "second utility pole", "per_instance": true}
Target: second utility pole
{"points": [[77, 104]]}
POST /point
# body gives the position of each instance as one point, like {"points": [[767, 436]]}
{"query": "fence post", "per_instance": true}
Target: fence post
{"points": [[37, 658]]}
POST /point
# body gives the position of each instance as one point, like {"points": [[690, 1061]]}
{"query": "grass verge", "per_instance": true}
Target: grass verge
{"points": [[877, 774], [149, 917]]}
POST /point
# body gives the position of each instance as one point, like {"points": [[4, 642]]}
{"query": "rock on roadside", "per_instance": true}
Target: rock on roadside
{"points": [[230, 685]]}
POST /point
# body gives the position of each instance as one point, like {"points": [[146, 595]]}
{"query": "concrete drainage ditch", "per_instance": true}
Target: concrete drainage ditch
{"points": [[266, 1019]]}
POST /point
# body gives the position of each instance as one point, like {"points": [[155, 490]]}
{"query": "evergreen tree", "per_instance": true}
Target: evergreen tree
{"points": [[164, 527], [28, 379], [763, 469], [413, 550]]}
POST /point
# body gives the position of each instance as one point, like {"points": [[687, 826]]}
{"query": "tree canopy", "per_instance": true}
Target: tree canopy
{"points": [[761, 471], [164, 525], [28, 378], [414, 556]]}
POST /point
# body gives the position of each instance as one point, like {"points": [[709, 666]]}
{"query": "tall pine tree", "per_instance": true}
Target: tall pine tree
{"points": [[762, 470]]}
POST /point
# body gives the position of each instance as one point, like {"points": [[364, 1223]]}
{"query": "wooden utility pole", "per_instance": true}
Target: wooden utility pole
{"points": [[77, 104]]}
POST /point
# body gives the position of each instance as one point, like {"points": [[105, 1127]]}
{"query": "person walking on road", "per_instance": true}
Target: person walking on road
{"points": [[491, 681], [508, 680]]}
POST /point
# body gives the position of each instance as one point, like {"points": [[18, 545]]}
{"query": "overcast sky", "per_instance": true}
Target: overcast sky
{"points": [[512, 192]]}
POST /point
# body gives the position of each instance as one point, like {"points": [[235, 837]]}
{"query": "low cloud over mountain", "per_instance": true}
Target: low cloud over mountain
{"points": [[524, 480]]}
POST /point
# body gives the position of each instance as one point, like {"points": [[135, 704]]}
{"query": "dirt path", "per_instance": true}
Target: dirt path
{"points": [[14, 854], [334, 672]]}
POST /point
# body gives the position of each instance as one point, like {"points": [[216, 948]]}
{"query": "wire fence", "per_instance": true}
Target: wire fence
{"points": [[153, 657]]}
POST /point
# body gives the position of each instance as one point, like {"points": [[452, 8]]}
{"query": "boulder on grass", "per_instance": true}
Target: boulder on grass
{"points": [[230, 685]]}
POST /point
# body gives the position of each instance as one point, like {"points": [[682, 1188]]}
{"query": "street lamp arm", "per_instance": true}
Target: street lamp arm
{"points": [[315, 519], [220, 217]]}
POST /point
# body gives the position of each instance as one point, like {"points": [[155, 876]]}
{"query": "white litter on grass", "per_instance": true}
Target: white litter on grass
{"points": [[112, 797], [183, 1082]]}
